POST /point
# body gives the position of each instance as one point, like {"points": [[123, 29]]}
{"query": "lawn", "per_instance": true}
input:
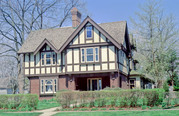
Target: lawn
{"points": [[122, 113], [20, 114], [46, 104]]}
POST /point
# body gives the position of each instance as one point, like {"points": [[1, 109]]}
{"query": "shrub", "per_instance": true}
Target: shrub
{"points": [[94, 109], [110, 98], [165, 86], [176, 88], [111, 108], [144, 107], [103, 109], [19, 101]]}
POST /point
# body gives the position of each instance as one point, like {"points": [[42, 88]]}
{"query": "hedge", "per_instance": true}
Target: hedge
{"points": [[109, 98], [19, 101]]}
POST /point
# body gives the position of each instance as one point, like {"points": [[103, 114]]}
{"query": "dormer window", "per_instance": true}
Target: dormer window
{"points": [[89, 32], [48, 58]]}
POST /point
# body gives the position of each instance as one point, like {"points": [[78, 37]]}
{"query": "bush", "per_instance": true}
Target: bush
{"points": [[110, 98], [144, 107], [176, 88], [19, 101], [165, 86]]}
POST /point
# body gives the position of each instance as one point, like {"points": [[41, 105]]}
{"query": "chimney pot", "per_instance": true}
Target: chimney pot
{"points": [[76, 17]]}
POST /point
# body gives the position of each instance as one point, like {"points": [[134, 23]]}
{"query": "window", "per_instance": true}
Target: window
{"points": [[132, 83], [48, 58], [48, 86], [90, 54], [83, 55], [96, 54], [89, 31]]}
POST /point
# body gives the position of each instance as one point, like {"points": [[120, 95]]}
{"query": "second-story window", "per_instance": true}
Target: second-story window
{"points": [[90, 54], [48, 58], [89, 32]]}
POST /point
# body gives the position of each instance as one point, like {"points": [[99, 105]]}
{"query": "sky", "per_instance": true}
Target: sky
{"points": [[102, 11]]}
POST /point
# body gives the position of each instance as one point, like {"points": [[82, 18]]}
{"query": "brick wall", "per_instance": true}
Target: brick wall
{"points": [[114, 80], [124, 82], [34, 85], [62, 83]]}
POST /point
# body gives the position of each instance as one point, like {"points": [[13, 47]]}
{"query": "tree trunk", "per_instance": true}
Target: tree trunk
{"points": [[20, 75]]}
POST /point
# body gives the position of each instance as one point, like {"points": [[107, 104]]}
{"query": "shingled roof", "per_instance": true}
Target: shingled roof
{"points": [[58, 36]]}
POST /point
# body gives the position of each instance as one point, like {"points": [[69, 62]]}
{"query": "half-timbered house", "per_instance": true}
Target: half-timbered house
{"points": [[86, 56]]}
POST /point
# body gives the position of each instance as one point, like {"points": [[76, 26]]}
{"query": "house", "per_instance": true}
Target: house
{"points": [[86, 56], [4, 89]]}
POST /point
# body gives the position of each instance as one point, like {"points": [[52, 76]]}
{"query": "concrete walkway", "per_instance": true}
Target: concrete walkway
{"points": [[48, 112]]}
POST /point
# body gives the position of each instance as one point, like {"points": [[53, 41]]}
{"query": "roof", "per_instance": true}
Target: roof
{"points": [[4, 82], [135, 73], [58, 36]]}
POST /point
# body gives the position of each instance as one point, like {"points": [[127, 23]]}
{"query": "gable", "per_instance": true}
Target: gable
{"points": [[47, 44], [101, 30], [81, 38]]}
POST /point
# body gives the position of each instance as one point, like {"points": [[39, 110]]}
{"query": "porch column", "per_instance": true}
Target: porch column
{"points": [[114, 80], [71, 82]]}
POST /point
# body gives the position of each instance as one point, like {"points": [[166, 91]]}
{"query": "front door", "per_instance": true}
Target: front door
{"points": [[94, 84]]}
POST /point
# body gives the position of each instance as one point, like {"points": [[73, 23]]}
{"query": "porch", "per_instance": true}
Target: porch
{"points": [[92, 82]]}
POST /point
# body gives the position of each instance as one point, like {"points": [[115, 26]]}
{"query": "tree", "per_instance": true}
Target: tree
{"points": [[19, 17], [155, 34], [172, 66]]}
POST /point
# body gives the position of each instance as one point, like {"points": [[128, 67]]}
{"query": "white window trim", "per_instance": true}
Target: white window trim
{"points": [[85, 55], [51, 58], [44, 86]]}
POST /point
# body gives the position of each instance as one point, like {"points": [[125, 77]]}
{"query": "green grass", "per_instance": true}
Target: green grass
{"points": [[122, 113], [20, 114], [45, 104]]}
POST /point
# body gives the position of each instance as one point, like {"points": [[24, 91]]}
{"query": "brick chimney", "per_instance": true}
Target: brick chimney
{"points": [[76, 17]]}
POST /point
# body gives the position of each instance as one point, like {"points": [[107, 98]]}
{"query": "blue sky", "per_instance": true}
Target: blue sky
{"points": [[102, 11]]}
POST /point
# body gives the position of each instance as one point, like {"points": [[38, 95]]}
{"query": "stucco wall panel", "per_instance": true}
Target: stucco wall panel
{"points": [[76, 55], [69, 56], [104, 53], [96, 35], [82, 40], [111, 53]]}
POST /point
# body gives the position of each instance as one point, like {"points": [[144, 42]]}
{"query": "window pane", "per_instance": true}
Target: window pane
{"points": [[42, 61], [83, 58], [83, 52], [89, 51], [42, 55], [48, 82], [96, 51], [48, 61], [48, 54], [100, 85], [90, 58], [42, 89], [96, 57], [49, 88], [89, 31]]}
